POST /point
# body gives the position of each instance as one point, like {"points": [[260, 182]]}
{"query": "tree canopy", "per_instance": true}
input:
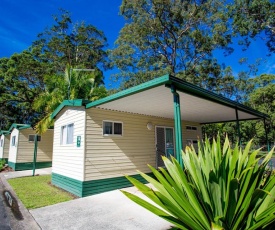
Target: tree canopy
{"points": [[252, 19], [176, 37], [36, 81]]}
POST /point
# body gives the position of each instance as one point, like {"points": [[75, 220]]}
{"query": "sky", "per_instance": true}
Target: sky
{"points": [[22, 20]]}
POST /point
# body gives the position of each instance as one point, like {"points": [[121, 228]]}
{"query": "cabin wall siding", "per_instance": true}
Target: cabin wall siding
{"points": [[6, 146], [116, 156], [26, 149], [4, 149], [68, 159], [13, 149]]}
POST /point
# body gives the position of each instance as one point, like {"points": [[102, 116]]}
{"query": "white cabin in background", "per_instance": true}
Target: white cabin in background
{"points": [[4, 145], [21, 148]]}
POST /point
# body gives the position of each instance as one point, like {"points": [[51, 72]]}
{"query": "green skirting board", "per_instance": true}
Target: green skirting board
{"points": [[29, 165], [87, 188]]}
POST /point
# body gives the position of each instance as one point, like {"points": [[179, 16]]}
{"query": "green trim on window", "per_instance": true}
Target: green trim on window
{"points": [[29, 165], [92, 187]]}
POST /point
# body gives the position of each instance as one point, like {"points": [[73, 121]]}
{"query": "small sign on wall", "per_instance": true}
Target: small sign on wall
{"points": [[78, 141]]}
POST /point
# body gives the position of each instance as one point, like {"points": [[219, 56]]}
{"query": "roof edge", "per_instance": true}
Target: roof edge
{"points": [[206, 94], [4, 132], [74, 103], [19, 126], [136, 89]]}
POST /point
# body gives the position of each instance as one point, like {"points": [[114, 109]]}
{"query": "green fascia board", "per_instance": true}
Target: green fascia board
{"points": [[192, 89], [182, 86], [136, 89], [75, 103], [18, 126], [4, 132]]}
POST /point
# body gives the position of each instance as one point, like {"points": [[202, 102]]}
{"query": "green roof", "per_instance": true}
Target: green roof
{"points": [[182, 86], [4, 132], [75, 103], [19, 126], [147, 88], [136, 89]]}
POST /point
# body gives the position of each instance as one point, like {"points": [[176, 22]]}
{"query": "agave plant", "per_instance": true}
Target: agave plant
{"points": [[219, 188]]}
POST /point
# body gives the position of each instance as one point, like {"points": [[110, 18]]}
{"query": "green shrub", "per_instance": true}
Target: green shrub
{"points": [[2, 164], [220, 188]]}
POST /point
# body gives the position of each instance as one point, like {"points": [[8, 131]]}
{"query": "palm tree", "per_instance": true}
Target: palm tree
{"points": [[73, 84]]}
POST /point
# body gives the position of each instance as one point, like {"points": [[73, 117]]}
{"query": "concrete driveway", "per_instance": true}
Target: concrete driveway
{"points": [[108, 211]]}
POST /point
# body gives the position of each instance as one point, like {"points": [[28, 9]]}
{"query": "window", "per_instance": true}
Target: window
{"points": [[112, 128], [67, 134], [189, 127], [2, 142], [31, 138], [13, 139]]}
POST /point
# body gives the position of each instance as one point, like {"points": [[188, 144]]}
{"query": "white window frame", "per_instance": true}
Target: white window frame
{"points": [[192, 128], [64, 140], [13, 140], [113, 128]]}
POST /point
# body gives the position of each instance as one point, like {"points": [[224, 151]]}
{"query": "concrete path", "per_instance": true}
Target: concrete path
{"points": [[105, 211], [108, 211], [15, 174]]}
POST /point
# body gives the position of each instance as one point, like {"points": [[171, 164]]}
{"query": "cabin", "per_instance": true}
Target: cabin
{"points": [[97, 143], [21, 148], [4, 145]]}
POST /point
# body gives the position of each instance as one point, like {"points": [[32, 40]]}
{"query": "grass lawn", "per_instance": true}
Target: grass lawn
{"points": [[37, 191]]}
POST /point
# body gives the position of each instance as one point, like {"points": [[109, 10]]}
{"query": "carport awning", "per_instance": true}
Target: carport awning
{"points": [[154, 98]]}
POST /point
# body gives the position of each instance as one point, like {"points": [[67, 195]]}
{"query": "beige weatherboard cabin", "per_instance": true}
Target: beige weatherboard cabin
{"points": [[21, 147], [4, 145], [97, 143]]}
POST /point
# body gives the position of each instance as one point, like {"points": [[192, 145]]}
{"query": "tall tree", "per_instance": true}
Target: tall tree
{"points": [[72, 84], [37, 75], [260, 96], [169, 36], [263, 99], [254, 18], [76, 54], [75, 44], [21, 81]]}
